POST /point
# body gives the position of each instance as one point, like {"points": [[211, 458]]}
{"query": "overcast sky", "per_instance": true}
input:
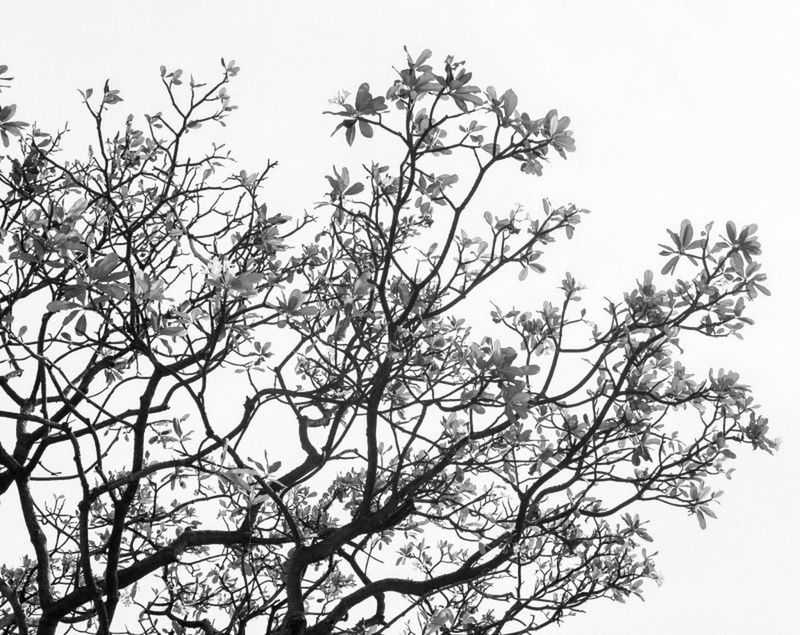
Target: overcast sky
{"points": [[680, 110]]}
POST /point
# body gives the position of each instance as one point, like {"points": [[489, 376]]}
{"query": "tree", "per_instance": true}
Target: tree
{"points": [[220, 419]]}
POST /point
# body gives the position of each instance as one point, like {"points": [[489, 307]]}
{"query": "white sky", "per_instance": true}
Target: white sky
{"points": [[680, 109]]}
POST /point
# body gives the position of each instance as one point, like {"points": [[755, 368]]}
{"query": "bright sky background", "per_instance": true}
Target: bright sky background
{"points": [[681, 109]]}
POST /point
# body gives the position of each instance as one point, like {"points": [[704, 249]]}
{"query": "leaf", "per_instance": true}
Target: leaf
{"points": [[7, 112], [112, 97], [296, 298], [730, 228], [686, 233], [102, 269], [354, 189], [80, 325], [365, 128], [363, 96], [77, 207], [426, 53], [670, 266], [116, 291], [509, 102], [59, 305], [551, 121], [701, 519], [172, 331], [246, 281]]}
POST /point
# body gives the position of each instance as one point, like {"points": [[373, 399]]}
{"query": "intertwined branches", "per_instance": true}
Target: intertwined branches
{"points": [[219, 419]]}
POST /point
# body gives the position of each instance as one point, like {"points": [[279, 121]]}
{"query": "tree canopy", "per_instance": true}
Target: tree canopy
{"points": [[222, 419]]}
